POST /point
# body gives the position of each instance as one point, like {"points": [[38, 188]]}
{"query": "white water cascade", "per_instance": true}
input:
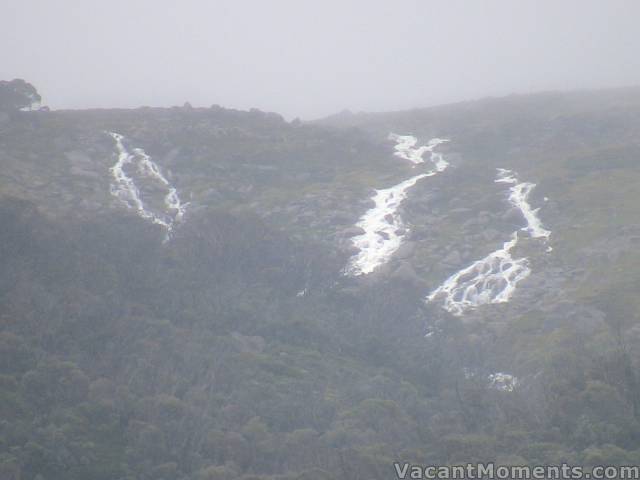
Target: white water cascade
{"points": [[519, 198], [383, 228], [494, 278], [405, 148], [125, 189]]}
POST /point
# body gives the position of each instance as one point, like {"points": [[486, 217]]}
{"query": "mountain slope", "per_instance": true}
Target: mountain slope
{"points": [[231, 338]]}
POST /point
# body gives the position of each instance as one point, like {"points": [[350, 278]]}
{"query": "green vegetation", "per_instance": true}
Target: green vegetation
{"points": [[123, 357], [17, 94]]}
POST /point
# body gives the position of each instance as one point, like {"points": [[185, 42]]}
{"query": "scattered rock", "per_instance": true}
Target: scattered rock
{"points": [[406, 273], [513, 216], [453, 258], [405, 251], [351, 232], [341, 219], [490, 235]]}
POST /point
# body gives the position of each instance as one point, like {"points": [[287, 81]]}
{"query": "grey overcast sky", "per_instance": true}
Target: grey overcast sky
{"points": [[312, 58]]}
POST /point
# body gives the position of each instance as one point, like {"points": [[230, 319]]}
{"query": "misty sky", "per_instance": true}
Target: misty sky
{"points": [[312, 58]]}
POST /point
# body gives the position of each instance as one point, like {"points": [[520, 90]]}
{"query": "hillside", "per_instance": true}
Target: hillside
{"points": [[209, 294]]}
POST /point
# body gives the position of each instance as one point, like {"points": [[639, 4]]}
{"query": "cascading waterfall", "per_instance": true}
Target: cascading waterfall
{"points": [[125, 189], [494, 278], [171, 200], [405, 148], [519, 198], [490, 280], [383, 228]]}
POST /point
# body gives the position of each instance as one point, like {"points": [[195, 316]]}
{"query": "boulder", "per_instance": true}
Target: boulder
{"points": [[406, 273], [350, 232], [406, 250]]}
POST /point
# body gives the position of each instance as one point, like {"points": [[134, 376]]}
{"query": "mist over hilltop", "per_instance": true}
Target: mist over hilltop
{"points": [[308, 60]]}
